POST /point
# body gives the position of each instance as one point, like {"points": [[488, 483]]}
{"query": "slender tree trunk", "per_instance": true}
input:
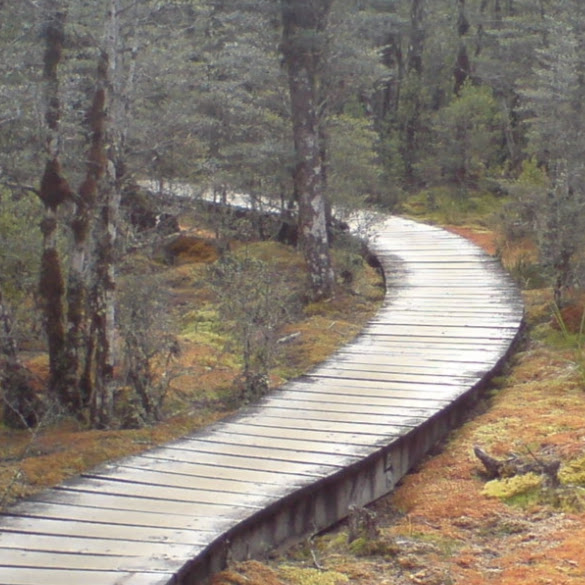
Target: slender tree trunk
{"points": [[303, 25], [414, 65], [78, 327], [117, 84], [53, 192], [104, 291], [462, 69]]}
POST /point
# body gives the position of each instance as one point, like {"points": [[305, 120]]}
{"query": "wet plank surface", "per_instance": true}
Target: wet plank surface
{"points": [[450, 315]]}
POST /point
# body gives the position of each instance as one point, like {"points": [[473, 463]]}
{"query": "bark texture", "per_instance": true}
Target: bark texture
{"points": [[304, 24], [54, 191]]}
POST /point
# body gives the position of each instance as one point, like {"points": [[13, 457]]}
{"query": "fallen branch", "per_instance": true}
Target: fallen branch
{"points": [[514, 465]]}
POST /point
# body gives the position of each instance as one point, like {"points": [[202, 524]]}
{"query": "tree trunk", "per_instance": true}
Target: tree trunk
{"points": [[78, 327], [53, 192], [414, 65], [115, 85], [462, 69], [303, 25]]}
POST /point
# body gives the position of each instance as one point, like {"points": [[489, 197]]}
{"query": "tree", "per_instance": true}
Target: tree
{"points": [[469, 135], [255, 301], [54, 192], [556, 138], [304, 23]]}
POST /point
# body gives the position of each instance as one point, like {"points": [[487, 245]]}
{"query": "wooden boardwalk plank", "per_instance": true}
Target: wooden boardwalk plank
{"points": [[449, 316], [47, 576]]}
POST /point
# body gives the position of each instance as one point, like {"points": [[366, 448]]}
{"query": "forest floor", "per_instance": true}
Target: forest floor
{"points": [[446, 524], [205, 374]]}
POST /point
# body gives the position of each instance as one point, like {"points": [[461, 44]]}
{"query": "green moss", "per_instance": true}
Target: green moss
{"points": [[442, 544], [573, 473], [520, 489], [202, 327], [366, 547], [308, 576]]}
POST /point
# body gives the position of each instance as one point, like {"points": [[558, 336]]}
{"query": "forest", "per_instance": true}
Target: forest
{"points": [[444, 109]]}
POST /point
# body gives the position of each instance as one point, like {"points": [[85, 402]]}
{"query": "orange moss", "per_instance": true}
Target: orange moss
{"points": [[187, 249], [486, 239]]}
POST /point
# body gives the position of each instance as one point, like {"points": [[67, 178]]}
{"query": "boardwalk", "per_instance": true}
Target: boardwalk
{"points": [[342, 435]]}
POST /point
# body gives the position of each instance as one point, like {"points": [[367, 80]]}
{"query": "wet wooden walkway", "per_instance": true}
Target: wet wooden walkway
{"points": [[450, 316]]}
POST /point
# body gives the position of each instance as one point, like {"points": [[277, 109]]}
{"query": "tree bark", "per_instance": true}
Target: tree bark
{"points": [[462, 69], [78, 327], [53, 192], [116, 89], [304, 23], [104, 290], [414, 64]]}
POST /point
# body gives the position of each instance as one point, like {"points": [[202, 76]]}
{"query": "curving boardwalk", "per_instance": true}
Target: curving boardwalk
{"points": [[342, 435]]}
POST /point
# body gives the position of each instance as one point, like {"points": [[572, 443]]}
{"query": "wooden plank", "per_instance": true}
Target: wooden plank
{"points": [[133, 503], [80, 515], [371, 393], [129, 532], [87, 562], [48, 576], [178, 454], [195, 470], [85, 545], [222, 444], [278, 427], [435, 371], [406, 361], [161, 495], [165, 479], [373, 376], [317, 412], [287, 441]]}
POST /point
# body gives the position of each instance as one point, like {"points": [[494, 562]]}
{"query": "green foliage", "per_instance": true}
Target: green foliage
{"points": [[469, 133], [445, 205], [148, 347], [354, 171], [20, 244], [254, 301], [533, 175], [528, 273]]}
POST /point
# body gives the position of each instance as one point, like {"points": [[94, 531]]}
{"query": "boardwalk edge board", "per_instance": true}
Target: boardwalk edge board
{"points": [[343, 435]]}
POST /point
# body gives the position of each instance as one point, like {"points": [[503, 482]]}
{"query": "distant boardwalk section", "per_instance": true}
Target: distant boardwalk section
{"points": [[342, 435]]}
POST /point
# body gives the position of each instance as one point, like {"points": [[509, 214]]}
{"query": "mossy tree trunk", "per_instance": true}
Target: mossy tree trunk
{"points": [[78, 345], [304, 23], [54, 191], [117, 84]]}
